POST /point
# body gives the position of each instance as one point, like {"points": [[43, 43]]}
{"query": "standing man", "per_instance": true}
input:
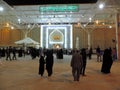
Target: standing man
{"points": [[84, 59], [90, 52], [14, 53], [76, 64], [98, 52], [8, 53]]}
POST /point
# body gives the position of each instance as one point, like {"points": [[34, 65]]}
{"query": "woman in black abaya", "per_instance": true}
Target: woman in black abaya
{"points": [[41, 65], [49, 62], [107, 61]]}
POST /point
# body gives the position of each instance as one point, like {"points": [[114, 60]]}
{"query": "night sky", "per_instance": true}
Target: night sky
{"points": [[40, 2]]}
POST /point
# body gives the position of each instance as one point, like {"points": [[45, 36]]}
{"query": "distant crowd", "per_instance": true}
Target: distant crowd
{"points": [[78, 60], [12, 53]]}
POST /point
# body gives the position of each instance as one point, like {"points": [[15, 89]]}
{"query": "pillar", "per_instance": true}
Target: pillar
{"points": [[89, 44], [77, 42], [118, 37]]}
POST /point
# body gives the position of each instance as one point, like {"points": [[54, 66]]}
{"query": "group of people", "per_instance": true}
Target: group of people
{"points": [[100, 53], [10, 53], [78, 63], [46, 61], [79, 60]]}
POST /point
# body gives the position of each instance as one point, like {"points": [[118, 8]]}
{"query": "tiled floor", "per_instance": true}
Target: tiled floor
{"points": [[22, 74]]}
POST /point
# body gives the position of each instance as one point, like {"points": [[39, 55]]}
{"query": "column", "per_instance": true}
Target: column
{"points": [[118, 36], [89, 44], [77, 42]]}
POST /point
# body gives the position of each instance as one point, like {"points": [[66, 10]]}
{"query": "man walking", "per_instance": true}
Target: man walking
{"points": [[76, 64]]}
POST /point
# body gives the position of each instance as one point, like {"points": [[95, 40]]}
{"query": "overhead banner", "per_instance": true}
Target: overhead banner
{"points": [[60, 8]]}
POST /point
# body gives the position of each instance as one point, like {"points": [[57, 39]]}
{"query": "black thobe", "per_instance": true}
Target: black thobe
{"points": [[49, 62], [41, 65]]}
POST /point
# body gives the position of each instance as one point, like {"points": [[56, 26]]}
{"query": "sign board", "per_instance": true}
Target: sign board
{"points": [[60, 8]]}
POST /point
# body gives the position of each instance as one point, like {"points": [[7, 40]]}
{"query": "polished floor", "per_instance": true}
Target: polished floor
{"points": [[22, 74]]}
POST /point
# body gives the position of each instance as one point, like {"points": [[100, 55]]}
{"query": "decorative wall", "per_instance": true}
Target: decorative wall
{"points": [[99, 36], [56, 34]]}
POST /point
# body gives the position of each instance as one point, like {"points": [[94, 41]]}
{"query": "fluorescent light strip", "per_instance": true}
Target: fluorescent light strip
{"points": [[65, 38], [47, 38], [71, 37], [41, 36], [56, 42]]}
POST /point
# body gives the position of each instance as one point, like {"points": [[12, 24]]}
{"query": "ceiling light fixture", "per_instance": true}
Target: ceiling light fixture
{"points": [[19, 20], [97, 21], [110, 26], [1, 9], [12, 27], [101, 6]]}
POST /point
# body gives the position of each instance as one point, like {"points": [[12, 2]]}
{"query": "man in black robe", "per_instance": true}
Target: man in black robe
{"points": [[84, 59], [41, 65]]}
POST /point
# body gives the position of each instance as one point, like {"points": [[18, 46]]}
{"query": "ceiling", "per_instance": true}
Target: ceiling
{"points": [[43, 2], [88, 13]]}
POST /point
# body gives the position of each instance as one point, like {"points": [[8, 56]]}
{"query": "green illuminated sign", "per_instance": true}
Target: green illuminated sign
{"points": [[63, 8]]}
